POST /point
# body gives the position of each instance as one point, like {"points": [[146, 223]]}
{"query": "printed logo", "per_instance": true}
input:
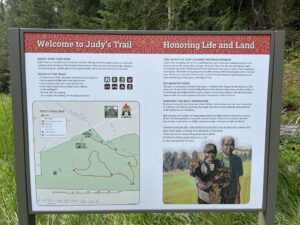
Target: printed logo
{"points": [[106, 79], [126, 111], [129, 79], [106, 86]]}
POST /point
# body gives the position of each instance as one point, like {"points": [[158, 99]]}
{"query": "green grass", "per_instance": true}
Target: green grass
{"points": [[7, 172], [288, 199], [245, 181], [179, 188]]}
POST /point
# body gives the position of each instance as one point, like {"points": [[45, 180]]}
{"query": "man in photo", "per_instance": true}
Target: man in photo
{"points": [[234, 162]]}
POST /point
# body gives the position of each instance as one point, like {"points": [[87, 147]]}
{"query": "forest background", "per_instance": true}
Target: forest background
{"points": [[217, 15]]}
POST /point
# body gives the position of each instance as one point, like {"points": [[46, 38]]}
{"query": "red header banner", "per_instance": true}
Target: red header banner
{"points": [[147, 44]]}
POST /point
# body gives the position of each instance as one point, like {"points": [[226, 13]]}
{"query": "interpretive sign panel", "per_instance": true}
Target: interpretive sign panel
{"points": [[146, 121]]}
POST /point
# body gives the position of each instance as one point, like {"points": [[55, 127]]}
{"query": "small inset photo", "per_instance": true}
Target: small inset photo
{"points": [[217, 173], [111, 111]]}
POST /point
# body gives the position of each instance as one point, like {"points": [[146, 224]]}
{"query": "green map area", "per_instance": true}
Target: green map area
{"points": [[87, 162]]}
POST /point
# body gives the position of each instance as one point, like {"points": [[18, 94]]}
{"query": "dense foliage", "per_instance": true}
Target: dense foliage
{"points": [[147, 15]]}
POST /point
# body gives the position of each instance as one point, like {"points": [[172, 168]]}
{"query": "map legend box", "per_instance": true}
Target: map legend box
{"points": [[53, 127]]}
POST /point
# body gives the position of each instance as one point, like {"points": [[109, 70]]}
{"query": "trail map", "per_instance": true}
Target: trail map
{"points": [[89, 147]]}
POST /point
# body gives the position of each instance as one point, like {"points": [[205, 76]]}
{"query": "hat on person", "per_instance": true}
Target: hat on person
{"points": [[210, 148]]}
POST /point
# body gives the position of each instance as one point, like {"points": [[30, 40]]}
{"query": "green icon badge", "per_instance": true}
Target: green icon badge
{"points": [[122, 79]]}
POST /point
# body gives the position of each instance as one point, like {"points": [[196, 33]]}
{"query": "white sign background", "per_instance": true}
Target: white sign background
{"points": [[147, 73]]}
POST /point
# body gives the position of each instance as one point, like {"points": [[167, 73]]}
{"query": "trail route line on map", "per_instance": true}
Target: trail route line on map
{"points": [[95, 154]]}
